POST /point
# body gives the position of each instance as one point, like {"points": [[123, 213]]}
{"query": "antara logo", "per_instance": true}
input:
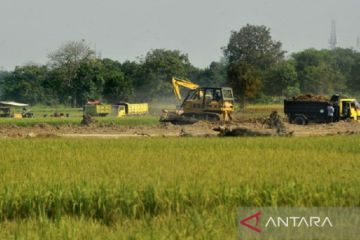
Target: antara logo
{"points": [[252, 227], [298, 222], [290, 221]]}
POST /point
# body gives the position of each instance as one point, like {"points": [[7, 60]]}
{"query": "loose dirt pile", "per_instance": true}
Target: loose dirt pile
{"points": [[310, 97], [87, 120], [241, 132], [274, 122], [269, 126]]}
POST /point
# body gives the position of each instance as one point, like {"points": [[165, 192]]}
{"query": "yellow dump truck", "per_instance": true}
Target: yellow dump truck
{"points": [[100, 110], [116, 110], [347, 108], [129, 109]]}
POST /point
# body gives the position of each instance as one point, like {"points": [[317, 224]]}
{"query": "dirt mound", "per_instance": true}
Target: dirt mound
{"points": [[270, 126], [87, 120], [311, 97], [274, 122], [240, 132]]}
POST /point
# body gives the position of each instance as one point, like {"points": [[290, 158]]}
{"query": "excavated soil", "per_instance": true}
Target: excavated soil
{"points": [[251, 127], [311, 97]]}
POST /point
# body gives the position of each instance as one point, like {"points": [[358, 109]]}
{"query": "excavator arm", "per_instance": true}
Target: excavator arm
{"points": [[177, 83]]}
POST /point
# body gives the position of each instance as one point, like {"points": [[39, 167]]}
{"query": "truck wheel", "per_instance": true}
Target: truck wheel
{"points": [[291, 120], [300, 120]]}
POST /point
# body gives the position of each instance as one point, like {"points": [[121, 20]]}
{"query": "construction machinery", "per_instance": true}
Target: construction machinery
{"points": [[201, 103], [131, 109], [303, 111], [96, 108]]}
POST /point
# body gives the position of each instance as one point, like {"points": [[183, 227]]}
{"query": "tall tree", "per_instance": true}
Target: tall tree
{"points": [[88, 81], [67, 61], [250, 53], [159, 66], [254, 46], [245, 80]]}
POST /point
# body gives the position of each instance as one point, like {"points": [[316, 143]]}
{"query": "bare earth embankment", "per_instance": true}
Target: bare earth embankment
{"points": [[242, 128]]}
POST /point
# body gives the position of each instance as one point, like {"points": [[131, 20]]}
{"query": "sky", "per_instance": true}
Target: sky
{"points": [[128, 29]]}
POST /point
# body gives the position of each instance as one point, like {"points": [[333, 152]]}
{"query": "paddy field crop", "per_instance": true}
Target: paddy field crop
{"points": [[165, 188]]}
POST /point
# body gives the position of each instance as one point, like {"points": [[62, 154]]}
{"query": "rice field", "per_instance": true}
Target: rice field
{"points": [[165, 188]]}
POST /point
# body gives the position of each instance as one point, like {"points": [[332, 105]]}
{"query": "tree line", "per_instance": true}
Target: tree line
{"points": [[254, 64]]}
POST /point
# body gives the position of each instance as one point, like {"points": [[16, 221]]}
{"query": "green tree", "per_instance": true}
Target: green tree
{"points": [[134, 73], [251, 47], [354, 81], [245, 81], [254, 46], [323, 79], [3, 75], [25, 84], [214, 75], [88, 81], [117, 87], [56, 92], [66, 61], [319, 72], [158, 67], [306, 61], [344, 60], [280, 78]]}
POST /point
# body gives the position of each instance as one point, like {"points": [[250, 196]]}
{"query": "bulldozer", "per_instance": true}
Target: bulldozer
{"points": [[213, 104]]}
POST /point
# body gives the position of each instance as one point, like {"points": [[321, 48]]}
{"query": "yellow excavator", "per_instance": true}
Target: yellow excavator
{"points": [[212, 104]]}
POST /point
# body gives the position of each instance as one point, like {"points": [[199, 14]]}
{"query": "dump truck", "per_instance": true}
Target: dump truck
{"points": [[304, 111], [201, 103], [97, 110], [131, 109], [116, 110]]}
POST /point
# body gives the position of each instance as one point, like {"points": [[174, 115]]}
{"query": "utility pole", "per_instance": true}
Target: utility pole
{"points": [[333, 39], [358, 43]]}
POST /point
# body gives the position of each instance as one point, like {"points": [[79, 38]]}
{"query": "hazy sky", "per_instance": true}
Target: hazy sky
{"points": [[124, 29]]}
